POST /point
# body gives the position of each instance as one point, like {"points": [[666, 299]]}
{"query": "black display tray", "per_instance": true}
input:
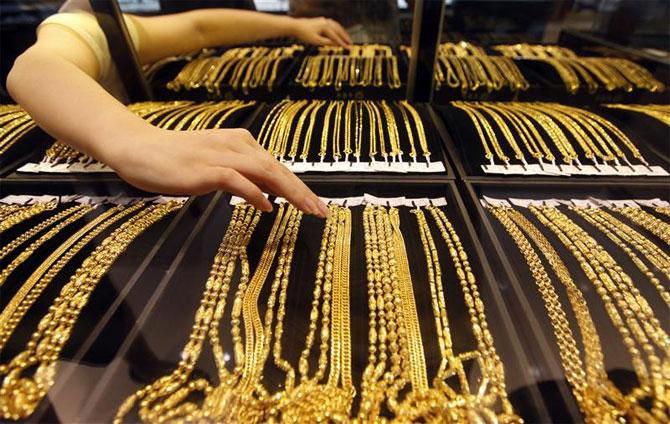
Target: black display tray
{"points": [[23, 150], [138, 334], [39, 142], [435, 135], [463, 146], [297, 91], [523, 301]]}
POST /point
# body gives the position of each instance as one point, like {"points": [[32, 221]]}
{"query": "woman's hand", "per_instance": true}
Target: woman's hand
{"points": [[198, 162], [321, 31]]}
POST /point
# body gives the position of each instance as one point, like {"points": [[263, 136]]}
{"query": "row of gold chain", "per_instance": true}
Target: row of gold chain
{"points": [[361, 65], [14, 124], [324, 391], [659, 112], [174, 115], [467, 67], [608, 72], [574, 134], [289, 128], [645, 340], [241, 68], [28, 376]]}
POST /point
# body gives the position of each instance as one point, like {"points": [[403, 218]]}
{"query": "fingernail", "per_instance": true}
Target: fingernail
{"points": [[267, 206], [322, 208]]}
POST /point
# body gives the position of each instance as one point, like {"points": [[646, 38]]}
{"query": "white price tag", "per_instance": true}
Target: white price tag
{"points": [[439, 201], [524, 203], [551, 203], [652, 203], [496, 202]]}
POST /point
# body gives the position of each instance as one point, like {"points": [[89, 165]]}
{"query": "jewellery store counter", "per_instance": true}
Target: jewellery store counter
{"points": [[207, 309]]}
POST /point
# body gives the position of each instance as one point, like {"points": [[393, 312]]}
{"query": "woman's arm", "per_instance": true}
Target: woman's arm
{"points": [[172, 35], [54, 81]]}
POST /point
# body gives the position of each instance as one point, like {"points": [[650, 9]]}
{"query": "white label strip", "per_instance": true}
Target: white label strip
{"points": [[366, 199], [567, 170], [297, 167]]}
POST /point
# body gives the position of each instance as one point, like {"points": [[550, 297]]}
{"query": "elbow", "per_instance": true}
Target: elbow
{"points": [[16, 75]]}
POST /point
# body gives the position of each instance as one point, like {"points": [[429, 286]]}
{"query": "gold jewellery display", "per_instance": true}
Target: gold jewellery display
{"points": [[580, 347], [14, 124], [361, 65], [659, 112], [319, 386], [344, 131], [467, 67], [28, 376], [594, 72], [175, 115], [240, 68], [544, 132]]}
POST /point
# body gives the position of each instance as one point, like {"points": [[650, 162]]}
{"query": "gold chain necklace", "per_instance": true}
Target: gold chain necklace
{"points": [[157, 399], [21, 391], [78, 213], [638, 321], [622, 235], [9, 247], [31, 289], [647, 221], [23, 213], [597, 397]]}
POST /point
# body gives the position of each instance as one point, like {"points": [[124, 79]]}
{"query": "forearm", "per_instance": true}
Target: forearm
{"points": [[230, 26], [72, 106]]}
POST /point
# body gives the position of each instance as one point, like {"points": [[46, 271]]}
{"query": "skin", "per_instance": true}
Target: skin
{"points": [[55, 81]]}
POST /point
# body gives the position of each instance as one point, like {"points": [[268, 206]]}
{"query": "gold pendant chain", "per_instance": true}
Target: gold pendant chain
{"points": [[21, 393]]}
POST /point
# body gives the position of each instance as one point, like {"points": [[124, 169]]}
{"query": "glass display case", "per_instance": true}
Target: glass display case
{"points": [[497, 178]]}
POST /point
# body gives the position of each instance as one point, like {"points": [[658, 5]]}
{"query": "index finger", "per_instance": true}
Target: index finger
{"points": [[342, 32], [263, 169]]}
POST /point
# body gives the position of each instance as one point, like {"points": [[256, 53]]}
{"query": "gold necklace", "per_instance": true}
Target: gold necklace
{"points": [[21, 391], [9, 247], [598, 399], [76, 214], [621, 234], [31, 289], [647, 221], [23, 213], [638, 322], [155, 402]]}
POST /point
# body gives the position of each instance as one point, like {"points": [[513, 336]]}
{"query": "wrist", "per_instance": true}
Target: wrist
{"points": [[290, 25], [123, 148]]}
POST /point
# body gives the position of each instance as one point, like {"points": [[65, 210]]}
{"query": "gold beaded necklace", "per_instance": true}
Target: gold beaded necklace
{"points": [[158, 400]]}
